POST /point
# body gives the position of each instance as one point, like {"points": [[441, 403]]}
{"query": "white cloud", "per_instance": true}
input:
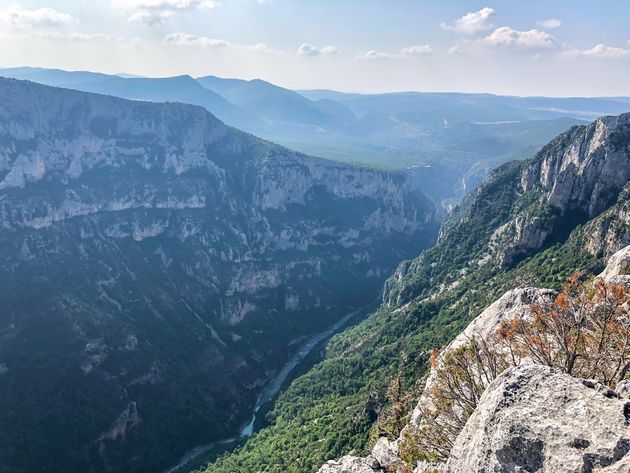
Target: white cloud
{"points": [[81, 37], [310, 50], [162, 4], [599, 51], [151, 18], [473, 22], [550, 24], [411, 51], [189, 40], [157, 12], [506, 37], [418, 50], [376, 55], [18, 17], [183, 39], [262, 47]]}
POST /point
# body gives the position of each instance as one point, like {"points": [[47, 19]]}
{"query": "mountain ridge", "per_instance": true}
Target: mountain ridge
{"points": [[450, 140]]}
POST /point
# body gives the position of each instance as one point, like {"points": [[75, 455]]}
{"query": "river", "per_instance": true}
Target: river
{"points": [[270, 391]]}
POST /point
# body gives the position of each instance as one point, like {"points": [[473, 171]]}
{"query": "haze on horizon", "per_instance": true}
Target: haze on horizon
{"points": [[559, 48]]}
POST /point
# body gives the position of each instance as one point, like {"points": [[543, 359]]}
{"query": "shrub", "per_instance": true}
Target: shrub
{"points": [[585, 331], [394, 416], [459, 381]]}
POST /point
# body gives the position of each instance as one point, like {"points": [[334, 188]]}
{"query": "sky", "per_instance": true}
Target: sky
{"points": [[515, 47]]}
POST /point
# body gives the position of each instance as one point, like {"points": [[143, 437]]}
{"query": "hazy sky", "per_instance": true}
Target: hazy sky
{"points": [[524, 47]]}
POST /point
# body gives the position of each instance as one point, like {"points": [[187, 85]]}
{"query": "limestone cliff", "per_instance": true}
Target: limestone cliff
{"points": [[580, 178], [579, 175]]}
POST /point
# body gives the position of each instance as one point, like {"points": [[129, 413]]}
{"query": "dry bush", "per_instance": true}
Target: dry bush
{"points": [[393, 418], [584, 331], [399, 467], [460, 380]]}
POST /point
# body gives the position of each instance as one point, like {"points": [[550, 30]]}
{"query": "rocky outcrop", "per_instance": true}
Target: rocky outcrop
{"points": [[520, 235], [618, 268], [534, 418], [610, 231], [513, 304], [382, 459], [579, 175], [350, 464]]}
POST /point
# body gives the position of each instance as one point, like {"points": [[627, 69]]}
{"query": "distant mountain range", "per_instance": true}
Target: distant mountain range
{"points": [[451, 140]]}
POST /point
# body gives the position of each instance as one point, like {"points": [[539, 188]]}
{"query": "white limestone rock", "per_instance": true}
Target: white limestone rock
{"points": [[350, 464], [385, 452], [618, 267], [587, 171], [534, 418], [610, 231]]}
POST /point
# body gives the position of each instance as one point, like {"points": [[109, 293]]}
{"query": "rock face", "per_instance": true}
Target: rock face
{"points": [[536, 419], [618, 267], [154, 257], [584, 168], [579, 174], [610, 231]]}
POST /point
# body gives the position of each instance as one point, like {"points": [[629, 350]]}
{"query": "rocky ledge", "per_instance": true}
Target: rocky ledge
{"points": [[534, 418]]}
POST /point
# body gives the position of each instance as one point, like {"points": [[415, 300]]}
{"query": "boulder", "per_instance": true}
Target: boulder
{"points": [[384, 458], [618, 268], [385, 452], [350, 464], [534, 418]]}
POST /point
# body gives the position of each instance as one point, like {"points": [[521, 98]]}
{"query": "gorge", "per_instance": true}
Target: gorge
{"points": [[160, 267]]}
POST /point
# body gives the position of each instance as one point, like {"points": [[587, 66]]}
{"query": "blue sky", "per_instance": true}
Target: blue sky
{"points": [[533, 47]]}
